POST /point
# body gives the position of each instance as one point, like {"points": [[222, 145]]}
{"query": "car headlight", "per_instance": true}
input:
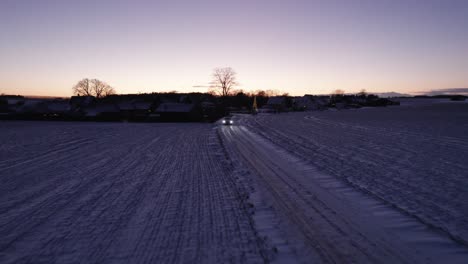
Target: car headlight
{"points": [[224, 121], [230, 122]]}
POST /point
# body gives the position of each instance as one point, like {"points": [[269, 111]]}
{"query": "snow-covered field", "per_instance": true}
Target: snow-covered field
{"points": [[374, 185], [414, 157], [116, 192]]}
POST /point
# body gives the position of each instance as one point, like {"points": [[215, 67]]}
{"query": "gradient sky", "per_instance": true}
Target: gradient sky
{"points": [[293, 46]]}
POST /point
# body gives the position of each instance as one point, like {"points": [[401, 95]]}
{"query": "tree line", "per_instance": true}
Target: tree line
{"points": [[224, 83]]}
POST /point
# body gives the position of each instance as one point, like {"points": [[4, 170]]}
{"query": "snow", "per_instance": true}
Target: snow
{"points": [[373, 185], [411, 157], [332, 222], [120, 192]]}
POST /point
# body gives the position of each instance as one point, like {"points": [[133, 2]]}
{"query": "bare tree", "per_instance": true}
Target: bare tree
{"points": [[224, 81], [338, 92], [82, 88], [93, 87], [362, 93], [101, 89], [337, 96]]}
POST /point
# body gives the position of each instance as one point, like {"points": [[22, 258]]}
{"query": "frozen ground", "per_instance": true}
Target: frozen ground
{"points": [[375, 185], [325, 220], [120, 193], [413, 157]]}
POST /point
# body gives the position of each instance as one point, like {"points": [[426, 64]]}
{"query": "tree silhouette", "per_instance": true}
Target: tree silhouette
{"points": [[338, 92], [93, 87], [224, 81]]}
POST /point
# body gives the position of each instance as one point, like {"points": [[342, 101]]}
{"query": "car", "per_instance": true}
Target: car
{"points": [[227, 121]]}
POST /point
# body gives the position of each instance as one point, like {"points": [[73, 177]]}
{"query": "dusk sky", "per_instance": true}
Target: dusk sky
{"points": [[292, 46]]}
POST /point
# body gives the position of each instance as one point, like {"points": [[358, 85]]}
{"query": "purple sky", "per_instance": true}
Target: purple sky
{"points": [[293, 46]]}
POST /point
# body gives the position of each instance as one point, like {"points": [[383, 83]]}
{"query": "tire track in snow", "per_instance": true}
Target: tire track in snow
{"points": [[338, 233], [295, 203], [359, 162], [49, 208], [124, 198]]}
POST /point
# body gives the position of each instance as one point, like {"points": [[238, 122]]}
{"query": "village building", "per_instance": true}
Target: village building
{"points": [[172, 112]]}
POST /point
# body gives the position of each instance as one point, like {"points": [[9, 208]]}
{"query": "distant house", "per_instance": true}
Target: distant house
{"points": [[9, 104], [34, 108], [142, 110], [323, 100], [172, 112], [13, 100], [135, 110], [208, 105], [29, 107], [55, 109], [5, 111], [105, 112], [308, 103], [80, 102], [277, 100], [211, 111], [125, 106], [276, 104], [359, 100]]}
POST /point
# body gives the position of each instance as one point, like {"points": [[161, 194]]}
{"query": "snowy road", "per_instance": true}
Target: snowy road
{"points": [[413, 157], [129, 193], [335, 222]]}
